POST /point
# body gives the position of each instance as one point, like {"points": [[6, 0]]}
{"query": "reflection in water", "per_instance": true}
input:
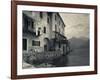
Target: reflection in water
{"points": [[61, 61]]}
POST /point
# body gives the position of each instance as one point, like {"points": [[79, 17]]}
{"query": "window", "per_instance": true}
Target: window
{"points": [[59, 22], [55, 27], [39, 31], [55, 17], [59, 30], [32, 25], [35, 43], [41, 15], [49, 14], [44, 29], [29, 22], [25, 21], [59, 45], [48, 19], [63, 49], [24, 44], [45, 47]]}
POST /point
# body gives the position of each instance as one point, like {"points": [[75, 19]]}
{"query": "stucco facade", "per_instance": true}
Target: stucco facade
{"points": [[43, 31]]}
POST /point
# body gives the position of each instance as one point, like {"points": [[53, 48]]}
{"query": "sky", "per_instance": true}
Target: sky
{"points": [[77, 25]]}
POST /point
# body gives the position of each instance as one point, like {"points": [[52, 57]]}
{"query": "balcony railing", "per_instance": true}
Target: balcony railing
{"points": [[59, 36], [27, 31]]}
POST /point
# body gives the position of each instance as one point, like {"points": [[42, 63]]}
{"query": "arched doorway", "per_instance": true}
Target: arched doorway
{"points": [[46, 44]]}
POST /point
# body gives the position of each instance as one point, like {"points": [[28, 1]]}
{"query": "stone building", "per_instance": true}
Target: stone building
{"points": [[43, 31]]}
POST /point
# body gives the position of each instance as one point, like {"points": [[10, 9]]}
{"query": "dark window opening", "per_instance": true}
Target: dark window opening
{"points": [[59, 45], [45, 47], [29, 22], [49, 14], [59, 30], [59, 22], [63, 49], [48, 19], [32, 25], [24, 44], [44, 29], [25, 21], [35, 43], [41, 15], [55, 27], [39, 31], [55, 17]]}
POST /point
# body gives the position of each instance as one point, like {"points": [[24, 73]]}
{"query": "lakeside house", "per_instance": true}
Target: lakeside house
{"points": [[43, 32]]}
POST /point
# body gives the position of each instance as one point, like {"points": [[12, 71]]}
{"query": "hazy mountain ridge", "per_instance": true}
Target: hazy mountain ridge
{"points": [[79, 42]]}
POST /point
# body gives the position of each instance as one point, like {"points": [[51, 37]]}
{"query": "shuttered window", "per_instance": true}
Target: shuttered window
{"points": [[35, 43]]}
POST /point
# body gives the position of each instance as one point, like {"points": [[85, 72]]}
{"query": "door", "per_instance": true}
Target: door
{"points": [[46, 44], [45, 48], [25, 44]]}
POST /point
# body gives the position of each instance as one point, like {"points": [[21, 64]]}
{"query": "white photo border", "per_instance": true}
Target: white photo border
{"points": [[21, 71]]}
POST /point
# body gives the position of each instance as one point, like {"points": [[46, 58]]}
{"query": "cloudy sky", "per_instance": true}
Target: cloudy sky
{"points": [[77, 25]]}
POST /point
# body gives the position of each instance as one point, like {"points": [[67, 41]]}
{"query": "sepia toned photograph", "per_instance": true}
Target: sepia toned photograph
{"points": [[54, 39]]}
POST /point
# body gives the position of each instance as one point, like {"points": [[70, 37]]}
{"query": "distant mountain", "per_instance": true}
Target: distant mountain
{"points": [[79, 42]]}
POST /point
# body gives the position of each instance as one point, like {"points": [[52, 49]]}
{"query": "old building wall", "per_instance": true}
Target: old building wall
{"points": [[49, 21], [57, 24], [41, 23], [29, 41]]}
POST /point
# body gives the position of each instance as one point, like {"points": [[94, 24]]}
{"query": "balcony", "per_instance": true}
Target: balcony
{"points": [[27, 31], [59, 38]]}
